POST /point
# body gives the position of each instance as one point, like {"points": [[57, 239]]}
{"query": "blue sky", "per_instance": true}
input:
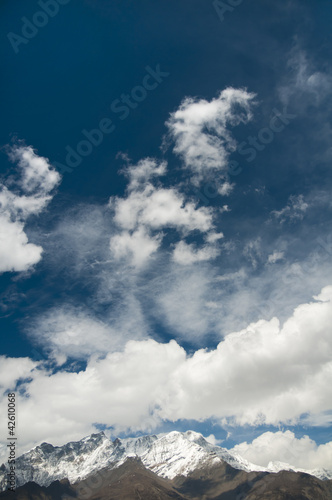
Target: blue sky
{"points": [[166, 236]]}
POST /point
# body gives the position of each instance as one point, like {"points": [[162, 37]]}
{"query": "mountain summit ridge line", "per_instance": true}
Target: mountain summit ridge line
{"points": [[168, 455]]}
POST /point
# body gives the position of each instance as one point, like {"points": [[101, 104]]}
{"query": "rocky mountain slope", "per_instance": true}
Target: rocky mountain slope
{"points": [[169, 456], [132, 481]]}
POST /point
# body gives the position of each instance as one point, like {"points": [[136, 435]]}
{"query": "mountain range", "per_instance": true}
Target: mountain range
{"points": [[175, 465]]}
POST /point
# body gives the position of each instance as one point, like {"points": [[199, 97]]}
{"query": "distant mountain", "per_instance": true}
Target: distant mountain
{"points": [[223, 482], [169, 456], [32, 491], [130, 481]]}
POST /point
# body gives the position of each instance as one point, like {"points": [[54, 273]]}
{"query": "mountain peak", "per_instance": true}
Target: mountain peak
{"points": [[45, 447], [168, 455]]}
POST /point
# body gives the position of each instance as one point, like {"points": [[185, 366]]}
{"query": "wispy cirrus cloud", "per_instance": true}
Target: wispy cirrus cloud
{"points": [[304, 79], [71, 332], [294, 210], [188, 254]]}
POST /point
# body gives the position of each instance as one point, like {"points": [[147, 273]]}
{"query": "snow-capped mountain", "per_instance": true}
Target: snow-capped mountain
{"points": [[168, 455], [180, 453], [75, 460], [322, 474]]}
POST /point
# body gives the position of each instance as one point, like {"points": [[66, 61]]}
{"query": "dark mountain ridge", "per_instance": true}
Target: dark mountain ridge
{"points": [[133, 481]]}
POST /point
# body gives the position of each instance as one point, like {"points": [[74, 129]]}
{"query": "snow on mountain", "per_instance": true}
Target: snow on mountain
{"points": [[174, 454], [168, 455], [137, 446], [46, 463], [180, 453], [322, 474]]}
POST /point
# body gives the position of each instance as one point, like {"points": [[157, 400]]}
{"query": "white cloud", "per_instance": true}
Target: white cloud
{"points": [[225, 188], [213, 237], [252, 251], [72, 332], [180, 301], [266, 373], [16, 253], [21, 206], [143, 172], [199, 129], [14, 369], [159, 208], [179, 297], [275, 257], [187, 254], [294, 210], [303, 79], [138, 246], [224, 208], [147, 209], [213, 440], [37, 175], [237, 276], [68, 332], [37, 180], [302, 453], [122, 388], [242, 371]]}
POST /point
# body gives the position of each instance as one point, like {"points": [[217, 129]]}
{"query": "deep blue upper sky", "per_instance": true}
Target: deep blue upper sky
{"points": [[65, 79]]}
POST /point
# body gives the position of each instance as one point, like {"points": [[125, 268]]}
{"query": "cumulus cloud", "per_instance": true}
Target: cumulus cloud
{"points": [[122, 390], [31, 195], [199, 129], [158, 208], [16, 253], [147, 209], [14, 369], [143, 172], [242, 371], [37, 175], [266, 373], [301, 453]]}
